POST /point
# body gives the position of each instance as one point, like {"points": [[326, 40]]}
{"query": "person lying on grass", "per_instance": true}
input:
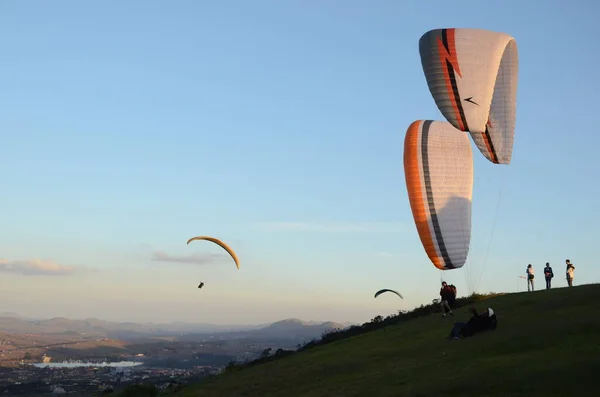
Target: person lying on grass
{"points": [[477, 323]]}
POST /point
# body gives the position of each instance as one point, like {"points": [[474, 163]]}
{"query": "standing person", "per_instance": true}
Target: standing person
{"points": [[570, 272], [548, 274], [447, 295], [530, 275]]}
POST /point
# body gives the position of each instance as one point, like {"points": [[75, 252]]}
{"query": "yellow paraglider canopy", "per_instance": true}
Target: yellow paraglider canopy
{"points": [[222, 244]]}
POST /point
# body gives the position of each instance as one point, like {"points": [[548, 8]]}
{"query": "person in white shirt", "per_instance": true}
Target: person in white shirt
{"points": [[570, 272], [530, 275]]}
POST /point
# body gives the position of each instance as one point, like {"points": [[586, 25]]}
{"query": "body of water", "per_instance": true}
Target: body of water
{"points": [[75, 364]]}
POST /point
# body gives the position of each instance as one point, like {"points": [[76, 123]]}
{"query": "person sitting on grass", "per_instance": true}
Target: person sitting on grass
{"points": [[478, 322]]}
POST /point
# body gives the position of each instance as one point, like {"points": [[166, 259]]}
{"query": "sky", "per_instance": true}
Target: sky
{"points": [[278, 126]]}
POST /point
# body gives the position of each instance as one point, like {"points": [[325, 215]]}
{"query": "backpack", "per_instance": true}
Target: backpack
{"points": [[453, 288]]}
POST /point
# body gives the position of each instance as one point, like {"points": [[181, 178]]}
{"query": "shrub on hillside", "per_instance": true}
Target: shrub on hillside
{"points": [[264, 357]]}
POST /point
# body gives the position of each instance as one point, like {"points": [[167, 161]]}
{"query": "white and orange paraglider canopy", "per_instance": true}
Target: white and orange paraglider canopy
{"points": [[438, 168], [472, 76]]}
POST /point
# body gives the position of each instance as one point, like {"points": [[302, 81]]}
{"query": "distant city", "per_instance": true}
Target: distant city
{"points": [[64, 356]]}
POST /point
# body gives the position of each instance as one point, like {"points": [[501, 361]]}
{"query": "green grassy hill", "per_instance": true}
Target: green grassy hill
{"points": [[547, 343]]}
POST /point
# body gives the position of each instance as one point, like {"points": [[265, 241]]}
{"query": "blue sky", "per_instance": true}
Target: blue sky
{"points": [[278, 126]]}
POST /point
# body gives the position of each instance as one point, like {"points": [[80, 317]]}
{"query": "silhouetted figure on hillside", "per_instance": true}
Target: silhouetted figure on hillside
{"points": [[548, 275], [478, 322], [570, 272], [530, 276]]}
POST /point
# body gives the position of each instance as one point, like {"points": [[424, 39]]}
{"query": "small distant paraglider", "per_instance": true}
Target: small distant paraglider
{"points": [[220, 243], [381, 291]]}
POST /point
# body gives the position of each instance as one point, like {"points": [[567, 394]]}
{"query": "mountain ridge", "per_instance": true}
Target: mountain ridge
{"points": [[94, 327]]}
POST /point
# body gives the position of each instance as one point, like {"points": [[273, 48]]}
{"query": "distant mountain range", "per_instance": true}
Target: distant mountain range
{"points": [[288, 330], [294, 329]]}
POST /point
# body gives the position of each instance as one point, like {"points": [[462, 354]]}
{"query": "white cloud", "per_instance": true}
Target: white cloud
{"points": [[36, 267], [334, 227], [198, 259]]}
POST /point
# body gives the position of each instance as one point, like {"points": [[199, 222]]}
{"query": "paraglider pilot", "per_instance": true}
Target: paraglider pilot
{"points": [[448, 294], [478, 322]]}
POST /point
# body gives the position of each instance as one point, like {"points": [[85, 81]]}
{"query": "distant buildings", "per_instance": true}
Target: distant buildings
{"points": [[31, 380]]}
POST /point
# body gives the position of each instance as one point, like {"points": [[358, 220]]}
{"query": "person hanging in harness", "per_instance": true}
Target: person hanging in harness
{"points": [[478, 322], [448, 295]]}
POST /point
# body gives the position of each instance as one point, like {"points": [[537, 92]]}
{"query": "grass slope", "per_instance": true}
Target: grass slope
{"points": [[547, 343]]}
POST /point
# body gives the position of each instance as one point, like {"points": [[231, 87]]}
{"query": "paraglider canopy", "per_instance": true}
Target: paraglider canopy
{"points": [[381, 291], [472, 75], [220, 243], [438, 169]]}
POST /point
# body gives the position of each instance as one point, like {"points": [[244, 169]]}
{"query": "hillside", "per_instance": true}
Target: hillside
{"points": [[547, 343]]}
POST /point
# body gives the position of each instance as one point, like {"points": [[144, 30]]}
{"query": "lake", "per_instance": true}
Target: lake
{"points": [[75, 364]]}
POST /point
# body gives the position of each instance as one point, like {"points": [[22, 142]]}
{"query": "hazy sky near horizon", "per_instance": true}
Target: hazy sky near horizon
{"points": [[278, 126]]}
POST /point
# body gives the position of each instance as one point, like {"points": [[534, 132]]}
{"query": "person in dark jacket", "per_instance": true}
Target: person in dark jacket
{"points": [[448, 294], [478, 322], [548, 274]]}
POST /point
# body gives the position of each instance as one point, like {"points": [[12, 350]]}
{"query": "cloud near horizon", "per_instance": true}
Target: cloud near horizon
{"points": [[40, 267], [334, 227], [196, 259]]}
